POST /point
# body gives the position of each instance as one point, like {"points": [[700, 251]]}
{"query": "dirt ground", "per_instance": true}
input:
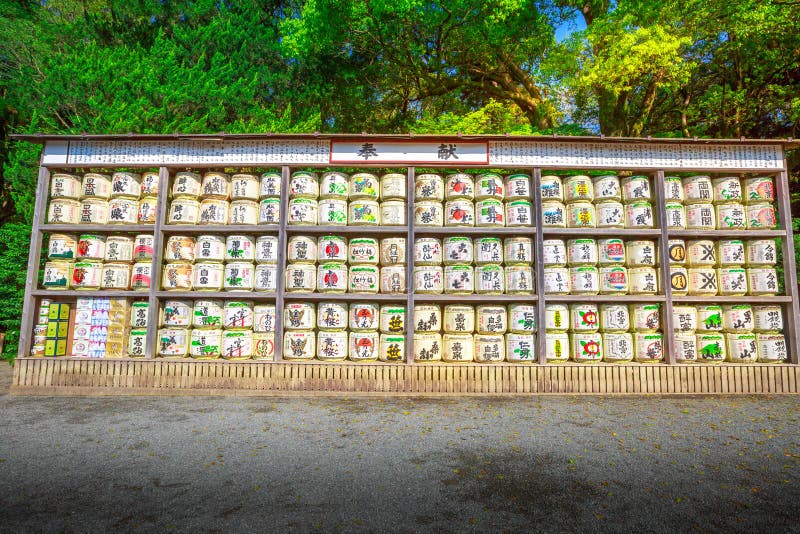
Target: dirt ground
{"points": [[662, 464]]}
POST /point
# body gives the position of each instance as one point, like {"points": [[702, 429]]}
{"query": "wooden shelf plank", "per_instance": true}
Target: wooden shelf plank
{"points": [[220, 228], [601, 232], [605, 298], [100, 228], [746, 299], [111, 293], [230, 295], [395, 297], [474, 230], [715, 234], [346, 230], [425, 297]]}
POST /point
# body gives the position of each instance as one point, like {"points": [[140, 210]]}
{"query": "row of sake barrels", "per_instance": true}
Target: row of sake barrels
{"points": [[207, 344], [482, 319], [98, 247], [335, 277], [121, 210], [212, 276], [603, 280], [704, 189], [487, 279], [606, 214], [620, 347], [93, 275], [731, 347], [223, 186], [341, 186], [729, 318], [221, 248], [726, 281], [336, 316], [482, 348], [463, 250], [604, 252], [216, 313], [484, 213], [607, 318], [431, 187], [731, 216], [389, 251], [104, 187], [723, 252], [341, 345], [608, 187]]}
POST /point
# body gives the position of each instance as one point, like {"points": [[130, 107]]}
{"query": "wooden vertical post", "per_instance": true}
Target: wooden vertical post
{"points": [[280, 281], [411, 176], [541, 336], [666, 289], [34, 258], [153, 302], [783, 194]]}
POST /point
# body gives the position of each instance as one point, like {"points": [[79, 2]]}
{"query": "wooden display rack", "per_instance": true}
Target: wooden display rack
{"points": [[533, 155]]}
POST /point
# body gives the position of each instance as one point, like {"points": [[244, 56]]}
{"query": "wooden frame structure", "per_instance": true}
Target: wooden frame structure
{"points": [[533, 155]]}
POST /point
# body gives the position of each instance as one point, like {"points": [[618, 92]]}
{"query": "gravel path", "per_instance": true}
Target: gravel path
{"points": [[546, 464]]}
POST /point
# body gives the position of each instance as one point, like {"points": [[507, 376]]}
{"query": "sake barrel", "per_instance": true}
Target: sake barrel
{"points": [[727, 189], [607, 187], [428, 279], [760, 216], [731, 216], [363, 251], [554, 253], [519, 280], [364, 185], [239, 276], [488, 250], [240, 248], [126, 185], [489, 186], [302, 211], [676, 216], [459, 279], [587, 348], [214, 211], [710, 348], [554, 214], [64, 185], [209, 248], [732, 281], [364, 213], [93, 211], [618, 347], [491, 319], [709, 318], [701, 253], [173, 342], [126, 211], [266, 277], [428, 187], [610, 214], [334, 185], [393, 251], [703, 281], [641, 253], [427, 317], [611, 251], [646, 317], [303, 184], [364, 316], [768, 319], [614, 318], [332, 277], [520, 348], [516, 250], [63, 247], [392, 319], [684, 318], [206, 344], [141, 274], [582, 252], [489, 348], [91, 247], [685, 348], [332, 316], [459, 213], [762, 281], [457, 348], [363, 279], [332, 248], [518, 186], [269, 211], [490, 212], [216, 185], [700, 217], [270, 185], [519, 213], [299, 345], [208, 276], [635, 189], [642, 281], [393, 279], [139, 312], [57, 275], [186, 184], [173, 313], [264, 346], [584, 280], [243, 212], [737, 318], [244, 187], [459, 319], [679, 280], [458, 249], [613, 280], [581, 215], [459, 185], [95, 185], [759, 189], [730, 252], [676, 249], [332, 346], [301, 249], [551, 188], [584, 317], [299, 316], [648, 347], [771, 348], [761, 252], [177, 276], [264, 318], [427, 251], [301, 277], [639, 215], [333, 212], [393, 213], [556, 280], [392, 348], [673, 189], [556, 318], [136, 343], [393, 186], [557, 347], [364, 346], [427, 347], [578, 188], [490, 279], [697, 190], [206, 314]]}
